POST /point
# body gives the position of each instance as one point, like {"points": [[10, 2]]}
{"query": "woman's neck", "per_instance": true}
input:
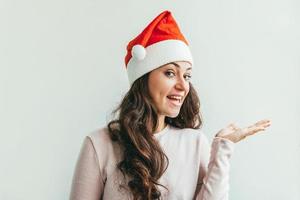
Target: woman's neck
{"points": [[161, 124]]}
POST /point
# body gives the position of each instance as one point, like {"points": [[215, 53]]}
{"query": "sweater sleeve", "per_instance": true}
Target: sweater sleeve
{"points": [[87, 183], [213, 179]]}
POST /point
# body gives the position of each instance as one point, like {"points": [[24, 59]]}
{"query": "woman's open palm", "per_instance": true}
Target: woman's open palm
{"points": [[236, 134]]}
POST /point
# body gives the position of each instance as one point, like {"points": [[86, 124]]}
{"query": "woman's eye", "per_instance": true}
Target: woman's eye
{"points": [[187, 77], [170, 74]]}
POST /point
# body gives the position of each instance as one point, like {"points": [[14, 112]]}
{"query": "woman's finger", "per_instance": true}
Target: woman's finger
{"points": [[261, 122], [252, 130]]}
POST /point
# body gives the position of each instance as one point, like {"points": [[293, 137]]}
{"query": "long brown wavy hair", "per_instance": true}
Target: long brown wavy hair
{"points": [[144, 160]]}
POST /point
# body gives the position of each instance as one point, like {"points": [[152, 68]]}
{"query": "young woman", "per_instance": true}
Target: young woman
{"points": [[154, 149]]}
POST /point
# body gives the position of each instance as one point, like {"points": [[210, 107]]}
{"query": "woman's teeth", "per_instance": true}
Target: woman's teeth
{"points": [[173, 97]]}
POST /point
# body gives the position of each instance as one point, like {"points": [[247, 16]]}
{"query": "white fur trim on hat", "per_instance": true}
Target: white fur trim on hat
{"points": [[158, 54]]}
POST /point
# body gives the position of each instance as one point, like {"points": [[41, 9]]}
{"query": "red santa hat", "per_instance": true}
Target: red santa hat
{"points": [[161, 42]]}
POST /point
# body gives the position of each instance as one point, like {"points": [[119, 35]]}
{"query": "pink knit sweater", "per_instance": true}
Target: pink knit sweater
{"points": [[196, 171]]}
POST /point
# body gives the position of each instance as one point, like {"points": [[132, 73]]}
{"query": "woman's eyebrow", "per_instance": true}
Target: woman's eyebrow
{"points": [[176, 65]]}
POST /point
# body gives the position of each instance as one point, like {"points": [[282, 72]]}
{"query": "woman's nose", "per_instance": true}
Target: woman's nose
{"points": [[181, 84]]}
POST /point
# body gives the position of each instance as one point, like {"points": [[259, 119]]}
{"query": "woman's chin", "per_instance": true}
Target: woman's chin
{"points": [[172, 114]]}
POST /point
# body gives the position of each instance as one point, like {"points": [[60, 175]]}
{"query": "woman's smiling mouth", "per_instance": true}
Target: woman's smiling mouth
{"points": [[175, 99]]}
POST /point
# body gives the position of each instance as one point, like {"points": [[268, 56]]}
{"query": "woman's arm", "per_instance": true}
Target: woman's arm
{"points": [[213, 180], [87, 181]]}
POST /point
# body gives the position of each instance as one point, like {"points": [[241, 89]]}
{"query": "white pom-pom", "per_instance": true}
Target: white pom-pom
{"points": [[138, 52]]}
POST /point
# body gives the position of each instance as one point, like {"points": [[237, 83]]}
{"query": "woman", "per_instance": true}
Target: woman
{"points": [[154, 149]]}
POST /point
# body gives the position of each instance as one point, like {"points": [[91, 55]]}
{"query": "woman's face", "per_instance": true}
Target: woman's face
{"points": [[168, 87]]}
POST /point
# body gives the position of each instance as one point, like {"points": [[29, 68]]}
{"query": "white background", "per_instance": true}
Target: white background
{"points": [[62, 72]]}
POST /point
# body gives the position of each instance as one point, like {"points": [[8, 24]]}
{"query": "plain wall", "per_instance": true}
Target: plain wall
{"points": [[62, 72]]}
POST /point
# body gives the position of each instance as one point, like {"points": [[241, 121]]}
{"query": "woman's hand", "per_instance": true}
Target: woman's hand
{"points": [[236, 134]]}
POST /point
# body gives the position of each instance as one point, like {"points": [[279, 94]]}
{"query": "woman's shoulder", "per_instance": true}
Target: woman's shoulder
{"points": [[107, 150], [99, 135]]}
